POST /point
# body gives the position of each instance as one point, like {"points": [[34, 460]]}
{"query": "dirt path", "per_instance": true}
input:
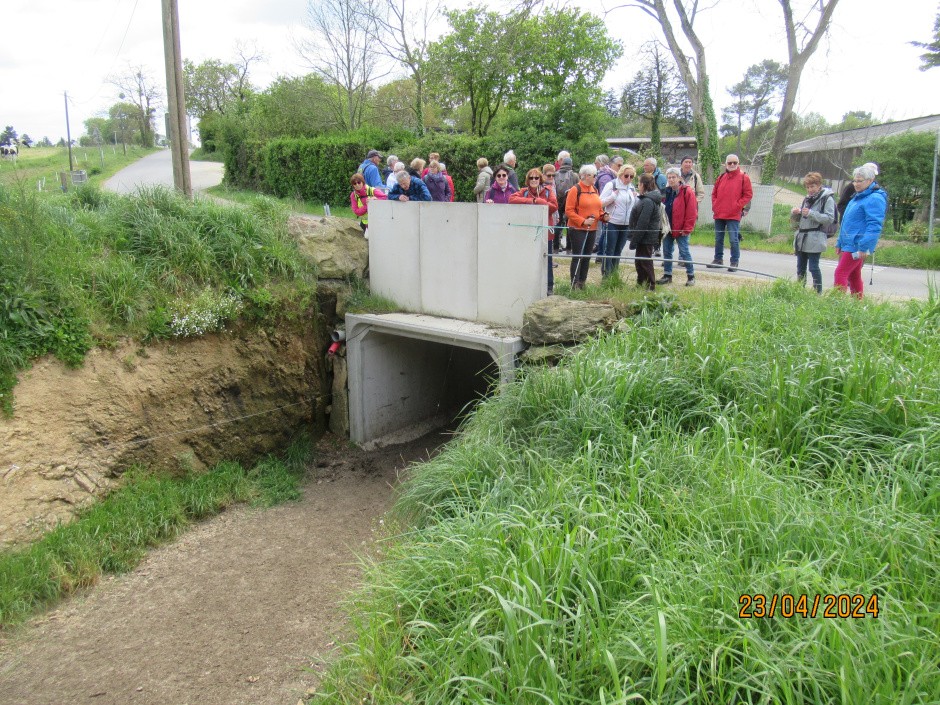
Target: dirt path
{"points": [[239, 610]]}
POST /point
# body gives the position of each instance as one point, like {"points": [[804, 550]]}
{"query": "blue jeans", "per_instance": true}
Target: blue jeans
{"points": [[617, 236], [734, 235], [812, 259], [685, 255], [602, 240]]}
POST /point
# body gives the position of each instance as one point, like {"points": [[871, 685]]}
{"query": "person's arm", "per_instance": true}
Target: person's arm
{"points": [[357, 209], [379, 194], [520, 197], [875, 208], [608, 195], [481, 183], [747, 193], [690, 214], [552, 204], [715, 192], [575, 220], [699, 187], [396, 192]]}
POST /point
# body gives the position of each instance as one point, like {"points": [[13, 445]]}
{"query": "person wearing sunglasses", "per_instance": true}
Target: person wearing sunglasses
{"points": [[618, 198], [359, 200], [536, 193], [731, 193], [501, 189], [584, 212]]}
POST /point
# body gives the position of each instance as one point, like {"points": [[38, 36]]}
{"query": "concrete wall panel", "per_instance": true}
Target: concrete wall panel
{"points": [[394, 252], [760, 215], [512, 261], [448, 259]]}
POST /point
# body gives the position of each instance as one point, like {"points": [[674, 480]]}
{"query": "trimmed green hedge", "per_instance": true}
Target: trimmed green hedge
{"points": [[318, 169]]}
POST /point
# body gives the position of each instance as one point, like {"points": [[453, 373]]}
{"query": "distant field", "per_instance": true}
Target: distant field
{"points": [[39, 167]]}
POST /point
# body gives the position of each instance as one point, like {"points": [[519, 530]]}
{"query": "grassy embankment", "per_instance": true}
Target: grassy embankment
{"points": [[42, 164], [587, 538], [84, 268], [893, 250], [294, 204], [114, 535]]}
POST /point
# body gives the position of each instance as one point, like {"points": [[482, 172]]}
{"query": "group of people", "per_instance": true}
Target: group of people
{"points": [[606, 205]]}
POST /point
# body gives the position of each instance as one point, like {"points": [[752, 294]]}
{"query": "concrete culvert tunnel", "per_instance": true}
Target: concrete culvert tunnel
{"points": [[409, 373]]}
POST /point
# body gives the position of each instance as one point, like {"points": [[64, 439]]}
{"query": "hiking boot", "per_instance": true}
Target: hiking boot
{"points": [[716, 263], [657, 253], [665, 279], [690, 281], [733, 267]]}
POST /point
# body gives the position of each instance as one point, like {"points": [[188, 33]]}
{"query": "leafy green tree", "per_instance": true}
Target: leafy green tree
{"points": [[137, 87], [44, 142], [754, 100], [931, 57], [657, 93], [26, 140], [490, 61], [8, 136], [855, 119], [292, 107], [809, 125], [905, 163], [395, 103]]}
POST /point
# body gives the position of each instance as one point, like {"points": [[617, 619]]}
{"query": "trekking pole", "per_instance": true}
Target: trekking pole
{"points": [[871, 274]]}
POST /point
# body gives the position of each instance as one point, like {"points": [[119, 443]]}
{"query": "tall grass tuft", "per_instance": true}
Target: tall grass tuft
{"points": [[113, 535], [587, 537], [90, 265]]}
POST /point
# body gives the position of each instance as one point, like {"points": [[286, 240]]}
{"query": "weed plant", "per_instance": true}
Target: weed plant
{"points": [[114, 534], [88, 266], [588, 536]]}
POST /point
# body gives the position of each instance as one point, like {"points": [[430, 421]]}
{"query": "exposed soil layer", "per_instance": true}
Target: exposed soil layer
{"points": [[230, 396], [243, 608]]}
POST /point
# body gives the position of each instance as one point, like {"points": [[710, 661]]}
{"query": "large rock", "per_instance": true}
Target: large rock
{"points": [[336, 245], [560, 320]]}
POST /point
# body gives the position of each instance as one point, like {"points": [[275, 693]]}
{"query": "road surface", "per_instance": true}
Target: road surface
{"points": [[157, 170]]}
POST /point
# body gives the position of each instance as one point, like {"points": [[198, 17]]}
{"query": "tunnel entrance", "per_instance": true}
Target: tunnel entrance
{"points": [[410, 373]]}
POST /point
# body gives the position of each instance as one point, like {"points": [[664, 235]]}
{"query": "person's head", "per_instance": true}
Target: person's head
{"points": [[873, 166], [649, 165], [562, 155], [482, 162], [587, 173], [673, 178], [813, 182], [403, 178], [399, 166], [548, 174], [533, 178], [863, 177], [392, 160], [434, 167], [627, 173], [375, 156], [616, 163], [357, 181], [501, 176], [510, 158], [732, 162], [434, 157], [687, 165], [647, 183], [417, 164], [567, 162], [601, 160]]}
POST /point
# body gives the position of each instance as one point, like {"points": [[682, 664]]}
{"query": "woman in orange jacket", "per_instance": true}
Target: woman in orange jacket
{"points": [[584, 211]]}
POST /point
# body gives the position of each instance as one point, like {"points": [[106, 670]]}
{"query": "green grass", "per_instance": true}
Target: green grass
{"points": [[197, 155], [44, 163], [114, 534], [295, 205], [86, 267], [587, 536]]}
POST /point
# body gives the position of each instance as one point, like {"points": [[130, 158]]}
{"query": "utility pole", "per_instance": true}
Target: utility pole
{"points": [[68, 130], [933, 189], [179, 143]]}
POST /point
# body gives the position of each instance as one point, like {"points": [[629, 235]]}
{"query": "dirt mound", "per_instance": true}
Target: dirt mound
{"points": [[231, 396]]}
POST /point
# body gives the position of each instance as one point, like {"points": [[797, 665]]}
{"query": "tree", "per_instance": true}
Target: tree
{"points": [[342, 52], [293, 107], [8, 136], [802, 41], [693, 70], [855, 119], [403, 38], [489, 61], [44, 142], [931, 57], [138, 87], [26, 140], [905, 163], [809, 125], [755, 96], [656, 93], [214, 86]]}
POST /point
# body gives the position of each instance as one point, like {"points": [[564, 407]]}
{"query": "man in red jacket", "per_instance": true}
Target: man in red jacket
{"points": [[732, 191]]}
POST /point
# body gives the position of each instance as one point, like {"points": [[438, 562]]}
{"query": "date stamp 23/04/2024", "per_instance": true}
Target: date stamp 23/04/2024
{"points": [[830, 606]]}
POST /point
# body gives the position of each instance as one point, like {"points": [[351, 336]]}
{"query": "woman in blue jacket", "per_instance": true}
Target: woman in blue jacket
{"points": [[861, 228]]}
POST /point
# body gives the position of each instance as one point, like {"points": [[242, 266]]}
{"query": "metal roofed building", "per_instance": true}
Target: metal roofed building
{"points": [[674, 148], [835, 154]]}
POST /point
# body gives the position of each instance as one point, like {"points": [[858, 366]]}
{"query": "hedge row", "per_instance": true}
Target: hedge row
{"points": [[318, 169]]}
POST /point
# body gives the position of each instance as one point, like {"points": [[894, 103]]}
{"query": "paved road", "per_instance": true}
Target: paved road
{"points": [[157, 170], [888, 281]]}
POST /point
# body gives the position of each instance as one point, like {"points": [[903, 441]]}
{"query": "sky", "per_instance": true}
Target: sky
{"points": [[75, 45]]}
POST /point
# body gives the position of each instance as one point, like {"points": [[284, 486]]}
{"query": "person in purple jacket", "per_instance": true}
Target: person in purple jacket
{"points": [[437, 183], [501, 189]]}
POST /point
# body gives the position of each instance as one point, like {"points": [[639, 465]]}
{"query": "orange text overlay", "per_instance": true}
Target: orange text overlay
{"points": [[843, 606]]}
